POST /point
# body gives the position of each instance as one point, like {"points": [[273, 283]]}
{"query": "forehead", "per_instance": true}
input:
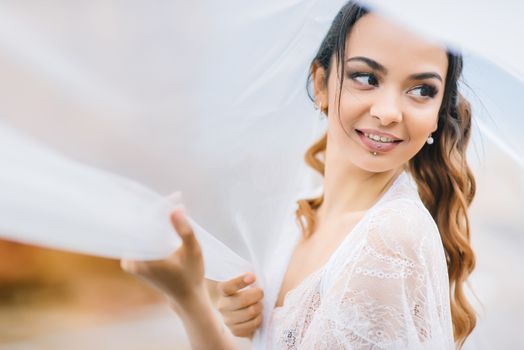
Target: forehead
{"points": [[395, 47]]}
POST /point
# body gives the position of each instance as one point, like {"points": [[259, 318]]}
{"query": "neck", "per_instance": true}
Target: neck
{"points": [[349, 189]]}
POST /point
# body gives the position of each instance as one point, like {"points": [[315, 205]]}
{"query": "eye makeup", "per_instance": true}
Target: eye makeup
{"points": [[363, 78], [426, 90], [370, 79]]}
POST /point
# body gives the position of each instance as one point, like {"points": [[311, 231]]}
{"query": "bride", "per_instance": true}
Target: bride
{"points": [[385, 249]]}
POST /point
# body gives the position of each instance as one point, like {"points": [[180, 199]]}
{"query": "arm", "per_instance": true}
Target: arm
{"points": [[204, 329], [181, 278], [212, 289]]}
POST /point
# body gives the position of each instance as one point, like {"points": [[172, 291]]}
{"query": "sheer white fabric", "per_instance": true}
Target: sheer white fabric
{"points": [[211, 130], [385, 287]]}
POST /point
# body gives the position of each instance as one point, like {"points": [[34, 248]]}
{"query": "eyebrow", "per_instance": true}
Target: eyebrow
{"points": [[377, 66], [428, 75]]}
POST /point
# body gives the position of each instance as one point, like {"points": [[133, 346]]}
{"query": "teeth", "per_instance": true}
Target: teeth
{"points": [[378, 138]]}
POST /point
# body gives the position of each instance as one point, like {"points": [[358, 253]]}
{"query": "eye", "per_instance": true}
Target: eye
{"points": [[364, 78], [426, 91]]}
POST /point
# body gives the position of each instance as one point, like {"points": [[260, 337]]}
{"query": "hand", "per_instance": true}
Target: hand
{"points": [[240, 309], [181, 275]]}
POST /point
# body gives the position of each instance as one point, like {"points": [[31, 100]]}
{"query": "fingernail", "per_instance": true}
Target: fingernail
{"points": [[249, 278], [179, 214]]}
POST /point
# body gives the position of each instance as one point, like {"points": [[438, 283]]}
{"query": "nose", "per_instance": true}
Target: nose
{"points": [[386, 107]]}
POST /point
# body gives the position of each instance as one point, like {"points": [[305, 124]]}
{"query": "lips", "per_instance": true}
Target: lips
{"points": [[378, 146]]}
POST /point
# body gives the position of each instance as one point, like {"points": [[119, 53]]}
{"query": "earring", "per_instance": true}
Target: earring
{"points": [[430, 140]]}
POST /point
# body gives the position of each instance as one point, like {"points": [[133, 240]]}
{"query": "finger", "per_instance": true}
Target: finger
{"points": [[240, 300], [142, 268], [243, 315], [247, 328], [131, 266], [232, 286], [183, 228]]}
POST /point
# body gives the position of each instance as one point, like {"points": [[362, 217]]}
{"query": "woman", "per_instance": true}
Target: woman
{"points": [[385, 250]]}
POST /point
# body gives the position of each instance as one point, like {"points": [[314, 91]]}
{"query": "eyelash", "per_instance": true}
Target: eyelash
{"points": [[432, 91]]}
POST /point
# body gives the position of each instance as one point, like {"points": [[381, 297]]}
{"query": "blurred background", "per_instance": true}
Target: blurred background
{"points": [[51, 299], [46, 293], [68, 67]]}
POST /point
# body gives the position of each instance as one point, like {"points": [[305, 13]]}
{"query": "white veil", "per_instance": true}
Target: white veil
{"points": [[123, 104]]}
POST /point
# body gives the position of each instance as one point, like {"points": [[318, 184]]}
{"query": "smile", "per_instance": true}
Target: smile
{"points": [[378, 138], [375, 142]]}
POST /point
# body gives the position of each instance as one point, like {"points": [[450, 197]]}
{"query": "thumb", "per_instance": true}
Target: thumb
{"points": [[230, 287], [183, 228]]}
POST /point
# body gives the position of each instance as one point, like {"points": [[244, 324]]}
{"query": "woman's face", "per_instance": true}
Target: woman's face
{"points": [[391, 94]]}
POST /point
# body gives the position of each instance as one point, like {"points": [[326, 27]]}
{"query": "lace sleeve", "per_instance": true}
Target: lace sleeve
{"points": [[393, 293]]}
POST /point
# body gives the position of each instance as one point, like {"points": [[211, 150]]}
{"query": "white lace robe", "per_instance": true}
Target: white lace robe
{"points": [[385, 287]]}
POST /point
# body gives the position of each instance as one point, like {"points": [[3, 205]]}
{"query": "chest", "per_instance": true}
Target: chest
{"points": [[313, 253]]}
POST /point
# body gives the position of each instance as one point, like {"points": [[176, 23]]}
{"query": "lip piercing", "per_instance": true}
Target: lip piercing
{"points": [[374, 153]]}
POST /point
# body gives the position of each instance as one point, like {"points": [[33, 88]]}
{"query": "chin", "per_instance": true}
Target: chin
{"points": [[376, 164]]}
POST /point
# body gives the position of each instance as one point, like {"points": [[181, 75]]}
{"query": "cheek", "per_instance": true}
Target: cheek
{"points": [[343, 121], [352, 108], [420, 125]]}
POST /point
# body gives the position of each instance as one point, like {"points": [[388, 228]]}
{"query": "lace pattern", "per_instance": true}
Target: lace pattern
{"points": [[386, 286]]}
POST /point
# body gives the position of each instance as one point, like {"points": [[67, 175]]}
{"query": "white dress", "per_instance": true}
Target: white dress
{"points": [[385, 287]]}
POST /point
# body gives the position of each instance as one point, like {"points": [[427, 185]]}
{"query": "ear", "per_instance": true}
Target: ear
{"points": [[319, 77]]}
